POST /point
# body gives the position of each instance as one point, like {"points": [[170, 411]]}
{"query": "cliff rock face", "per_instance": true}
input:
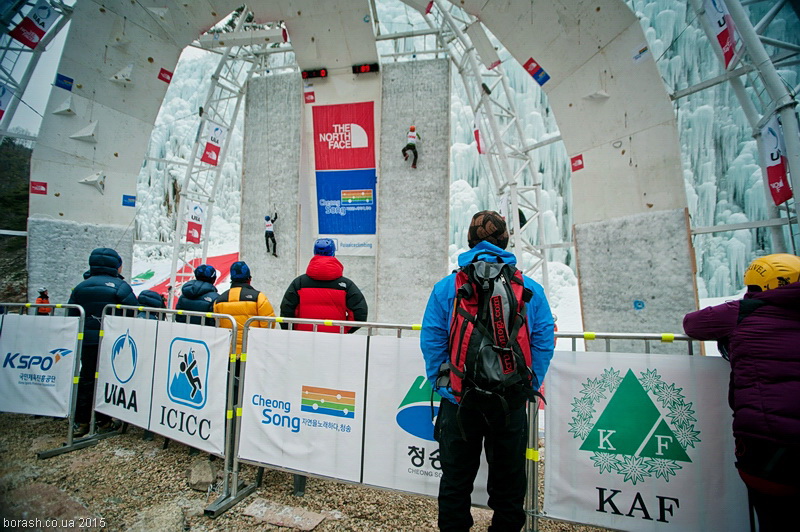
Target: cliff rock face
{"points": [[15, 160]]}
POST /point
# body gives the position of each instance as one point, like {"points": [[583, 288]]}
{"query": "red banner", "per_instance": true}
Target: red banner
{"points": [[214, 140], [719, 18], [577, 162], [38, 187], [774, 161], [165, 75], [35, 24], [193, 231], [344, 136]]}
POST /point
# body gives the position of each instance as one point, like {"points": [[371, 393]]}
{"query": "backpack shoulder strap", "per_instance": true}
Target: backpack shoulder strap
{"points": [[747, 307]]}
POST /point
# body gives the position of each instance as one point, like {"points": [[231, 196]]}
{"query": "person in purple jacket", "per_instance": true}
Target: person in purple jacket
{"points": [[760, 336]]}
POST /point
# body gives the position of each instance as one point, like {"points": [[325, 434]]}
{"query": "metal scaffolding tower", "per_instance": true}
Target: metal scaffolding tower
{"points": [[239, 59], [14, 77], [513, 172]]}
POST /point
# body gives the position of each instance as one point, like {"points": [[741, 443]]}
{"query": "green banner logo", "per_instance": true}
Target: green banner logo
{"points": [[632, 436]]}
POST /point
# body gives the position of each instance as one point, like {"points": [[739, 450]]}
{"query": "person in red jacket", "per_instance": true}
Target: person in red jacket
{"points": [[323, 294]]}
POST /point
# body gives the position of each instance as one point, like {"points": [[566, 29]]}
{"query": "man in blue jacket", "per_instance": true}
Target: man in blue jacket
{"points": [[103, 285], [461, 429]]}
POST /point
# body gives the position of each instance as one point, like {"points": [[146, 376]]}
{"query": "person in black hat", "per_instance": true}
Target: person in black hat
{"points": [[103, 285], [198, 295]]}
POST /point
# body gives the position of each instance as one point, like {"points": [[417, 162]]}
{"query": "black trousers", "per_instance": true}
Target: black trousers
{"points": [[270, 235], [413, 149], [83, 406], [505, 442]]}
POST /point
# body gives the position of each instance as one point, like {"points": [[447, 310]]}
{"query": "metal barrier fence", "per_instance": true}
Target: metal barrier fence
{"points": [[69, 310], [235, 490], [207, 319]]}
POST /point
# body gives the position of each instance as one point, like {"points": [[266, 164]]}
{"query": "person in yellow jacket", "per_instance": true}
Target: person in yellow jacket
{"points": [[242, 301]]}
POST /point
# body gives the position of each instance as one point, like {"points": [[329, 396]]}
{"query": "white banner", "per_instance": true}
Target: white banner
{"points": [[399, 450], [718, 16], [125, 369], [303, 403], [641, 442], [354, 245], [38, 355], [190, 385]]}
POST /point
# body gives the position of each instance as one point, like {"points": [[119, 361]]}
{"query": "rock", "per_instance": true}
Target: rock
{"points": [[201, 475], [281, 515], [46, 503], [45, 443], [164, 518]]}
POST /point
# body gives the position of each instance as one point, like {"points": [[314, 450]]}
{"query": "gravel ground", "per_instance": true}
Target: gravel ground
{"points": [[127, 481]]}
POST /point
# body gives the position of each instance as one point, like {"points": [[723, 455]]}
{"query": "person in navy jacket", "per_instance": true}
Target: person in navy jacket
{"points": [[198, 295], [461, 429], [103, 285], [322, 293]]}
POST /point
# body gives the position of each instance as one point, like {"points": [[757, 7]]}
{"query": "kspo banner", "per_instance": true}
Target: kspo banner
{"points": [[344, 153], [39, 357], [641, 442], [170, 378]]}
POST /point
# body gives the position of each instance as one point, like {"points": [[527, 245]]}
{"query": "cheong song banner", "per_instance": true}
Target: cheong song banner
{"points": [[344, 154], [641, 442], [303, 402], [399, 449], [38, 364], [190, 385]]}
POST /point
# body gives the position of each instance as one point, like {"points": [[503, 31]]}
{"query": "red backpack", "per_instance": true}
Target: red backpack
{"points": [[489, 343]]}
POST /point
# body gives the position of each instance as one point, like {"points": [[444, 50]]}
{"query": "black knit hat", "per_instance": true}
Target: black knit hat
{"points": [[488, 226]]}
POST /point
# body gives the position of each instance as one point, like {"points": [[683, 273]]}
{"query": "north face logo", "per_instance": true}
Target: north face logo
{"points": [[633, 436]]}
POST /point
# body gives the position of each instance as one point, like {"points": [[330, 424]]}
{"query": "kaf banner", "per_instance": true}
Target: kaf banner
{"points": [[196, 216], [344, 152], [35, 24], [214, 139], [39, 361], [5, 98], [719, 19], [303, 402], [190, 385], [641, 442], [125, 369], [399, 449], [773, 157]]}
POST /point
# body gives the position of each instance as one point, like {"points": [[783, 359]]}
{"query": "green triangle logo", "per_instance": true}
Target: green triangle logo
{"points": [[420, 392], [631, 424]]}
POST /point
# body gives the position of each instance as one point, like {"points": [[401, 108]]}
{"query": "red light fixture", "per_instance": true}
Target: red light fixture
{"points": [[316, 73], [363, 69]]}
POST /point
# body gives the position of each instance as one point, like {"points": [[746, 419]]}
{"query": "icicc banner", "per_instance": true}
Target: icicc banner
{"points": [[170, 378], [39, 355], [641, 442], [344, 153]]}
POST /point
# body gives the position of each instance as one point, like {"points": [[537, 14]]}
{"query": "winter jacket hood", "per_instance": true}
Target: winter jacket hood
{"points": [[196, 289], [324, 268], [487, 252], [104, 261], [149, 298]]}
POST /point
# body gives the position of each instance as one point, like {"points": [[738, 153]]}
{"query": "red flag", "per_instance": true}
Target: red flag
{"points": [[774, 161], [577, 162], [35, 24], [165, 75]]}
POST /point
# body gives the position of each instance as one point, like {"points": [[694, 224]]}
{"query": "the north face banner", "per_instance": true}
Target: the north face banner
{"points": [[35, 24], [344, 153], [641, 442]]}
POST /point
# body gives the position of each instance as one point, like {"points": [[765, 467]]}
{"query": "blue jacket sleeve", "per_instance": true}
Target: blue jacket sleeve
{"points": [[541, 327], [436, 330]]}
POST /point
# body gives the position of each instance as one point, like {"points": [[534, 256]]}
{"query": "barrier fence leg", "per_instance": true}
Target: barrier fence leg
{"points": [[70, 445], [532, 469], [299, 485]]}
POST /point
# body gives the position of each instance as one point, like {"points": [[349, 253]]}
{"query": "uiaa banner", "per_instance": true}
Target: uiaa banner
{"points": [[641, 442]]}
